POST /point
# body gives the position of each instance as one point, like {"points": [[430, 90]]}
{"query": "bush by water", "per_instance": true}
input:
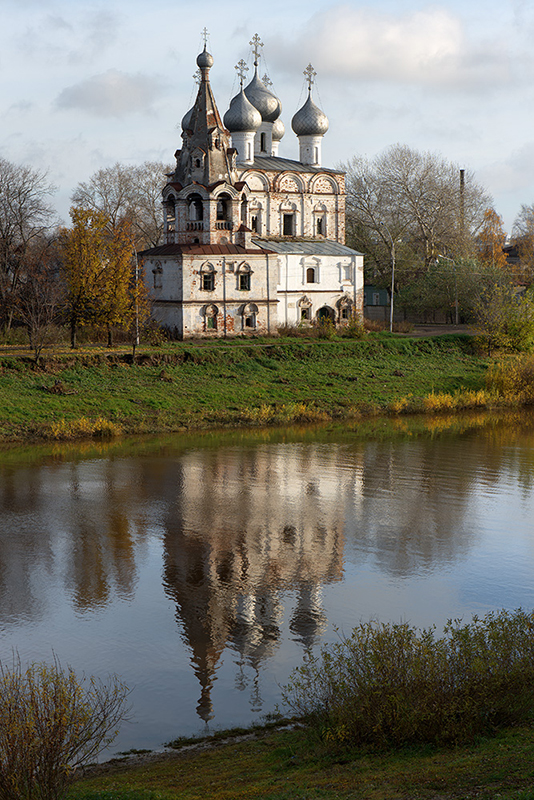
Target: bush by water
{"points": [[391, 684]]}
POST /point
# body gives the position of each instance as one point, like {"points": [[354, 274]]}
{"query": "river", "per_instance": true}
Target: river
{"points": [[201, 569]]}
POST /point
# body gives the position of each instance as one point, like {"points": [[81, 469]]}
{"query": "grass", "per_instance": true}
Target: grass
{"points": [[286, 765], [213, 384]]}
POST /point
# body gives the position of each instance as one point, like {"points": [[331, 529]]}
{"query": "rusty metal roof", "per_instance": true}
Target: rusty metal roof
{"points": [[204, 249]]}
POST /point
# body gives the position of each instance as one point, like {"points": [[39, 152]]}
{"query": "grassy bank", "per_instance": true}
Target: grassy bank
{"points": [[286, 765], [95, 392]]}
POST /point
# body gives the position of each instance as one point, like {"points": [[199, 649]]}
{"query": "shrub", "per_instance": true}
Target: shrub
{"points": [[513, 378], [390, 684], [51, 722]]}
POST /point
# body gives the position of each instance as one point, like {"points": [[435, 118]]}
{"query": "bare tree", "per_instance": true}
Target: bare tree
{"points": [[25, 215], [523, 239], [39, 294], [121, 191], [51, 722], [426, 202]]}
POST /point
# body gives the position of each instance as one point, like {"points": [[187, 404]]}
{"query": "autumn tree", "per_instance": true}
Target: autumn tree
{"points": [[25, 216], [427, 203], [121, 192], [102, 282], [491, 240]]}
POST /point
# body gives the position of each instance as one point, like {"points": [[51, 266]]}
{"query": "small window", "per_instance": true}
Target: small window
{"points": [[305, 313], [208, 281], [221, 209], [310, 275], [289, 224], [347, 272], [345, 312], [244, 281], [254, 223], [263, 142], [197, 163], [211, 323], [376, 298], [250, 322], [320, 226], [157, 272]]}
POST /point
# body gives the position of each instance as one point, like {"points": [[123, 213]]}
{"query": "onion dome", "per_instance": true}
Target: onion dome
{"points": [[188, 119], [278, 130], [264, 100], [310, 120], [205, 59], [242, 115]]}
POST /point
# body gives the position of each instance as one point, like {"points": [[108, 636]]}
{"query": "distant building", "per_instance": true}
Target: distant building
{"points": [[252, 240]]}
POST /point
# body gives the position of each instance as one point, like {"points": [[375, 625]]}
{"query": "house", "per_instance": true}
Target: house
{"points": [[252, 240]]}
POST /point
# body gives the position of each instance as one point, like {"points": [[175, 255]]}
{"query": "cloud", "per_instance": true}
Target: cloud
{"points": [[426, 47], [111, 94], [70, 37]]}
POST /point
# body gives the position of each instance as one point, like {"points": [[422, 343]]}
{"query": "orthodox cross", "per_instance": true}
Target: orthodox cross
{"points": [[256, 43], [241, 68], [267, 81], [197, 77], [205, 35], [309, 73]]}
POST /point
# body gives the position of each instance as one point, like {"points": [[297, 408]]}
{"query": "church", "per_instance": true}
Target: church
{"points": [[252, 241]]}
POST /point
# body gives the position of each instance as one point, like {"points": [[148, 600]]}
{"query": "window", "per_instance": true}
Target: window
{"points": [[157, 272], [263, 142], [208, 281], [210, 317], [221, 209], [197, 163], [347, 270], [310, 275], [320, 226], [250, 322], [289, 224], [196, 209], [345, 312], [376, 298], [254, 223], [244, 281], [211, 323], [305, 313]]}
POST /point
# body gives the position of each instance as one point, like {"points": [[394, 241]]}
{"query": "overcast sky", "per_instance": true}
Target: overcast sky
{"points": [[86, 84]]}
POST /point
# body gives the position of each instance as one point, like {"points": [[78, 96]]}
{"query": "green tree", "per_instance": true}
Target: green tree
{"points": [[51, 722]]}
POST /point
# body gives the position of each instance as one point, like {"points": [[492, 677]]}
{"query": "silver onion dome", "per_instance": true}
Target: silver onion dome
{"points": [[187, 120], [242, 115], [264, 100], [310, 120], [205, 59], [278, 130]]}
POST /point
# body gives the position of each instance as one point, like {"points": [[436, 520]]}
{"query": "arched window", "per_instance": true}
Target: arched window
{"points": [[310, 275], [223, 207], [207, 278], [210, 317], [249, 314], [243, 277], [196, 207], [244, 206]]}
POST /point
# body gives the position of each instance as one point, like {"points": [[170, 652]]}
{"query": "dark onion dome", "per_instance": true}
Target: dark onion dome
{"points": [[242, 116], [278, 130], [310, 120], [205, 59], [187, 120], [264, 100]]}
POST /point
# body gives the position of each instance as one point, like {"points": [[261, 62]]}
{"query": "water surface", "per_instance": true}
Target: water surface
{"points": [[202, 569]]}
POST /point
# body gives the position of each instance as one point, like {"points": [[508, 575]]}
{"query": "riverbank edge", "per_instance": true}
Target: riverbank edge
{"points": [[283, 763], [398, 389]]}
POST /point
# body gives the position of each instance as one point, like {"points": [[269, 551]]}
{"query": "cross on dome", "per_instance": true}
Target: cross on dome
{"points": [[241, 68], [267, 81], [197, 77], [205, 35], [256, 43], [309, 73]]}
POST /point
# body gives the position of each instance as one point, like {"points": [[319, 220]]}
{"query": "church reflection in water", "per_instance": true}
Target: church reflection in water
{"points": [[240, 532]]}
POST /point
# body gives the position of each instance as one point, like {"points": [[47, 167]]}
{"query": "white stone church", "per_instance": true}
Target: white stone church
{"points": [[252, 241]]}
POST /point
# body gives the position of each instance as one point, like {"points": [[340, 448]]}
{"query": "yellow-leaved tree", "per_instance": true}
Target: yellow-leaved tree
{"points": [[103, 284], [491, 240]]}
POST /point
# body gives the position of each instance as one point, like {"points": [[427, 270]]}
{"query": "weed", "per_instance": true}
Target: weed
{"points": [[84, 428]]}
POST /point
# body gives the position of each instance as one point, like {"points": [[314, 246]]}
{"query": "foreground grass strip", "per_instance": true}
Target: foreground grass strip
{"points": [[287, 766]]}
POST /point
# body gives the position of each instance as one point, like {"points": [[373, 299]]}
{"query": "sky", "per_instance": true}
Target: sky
{"points": [[86, 84]]}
